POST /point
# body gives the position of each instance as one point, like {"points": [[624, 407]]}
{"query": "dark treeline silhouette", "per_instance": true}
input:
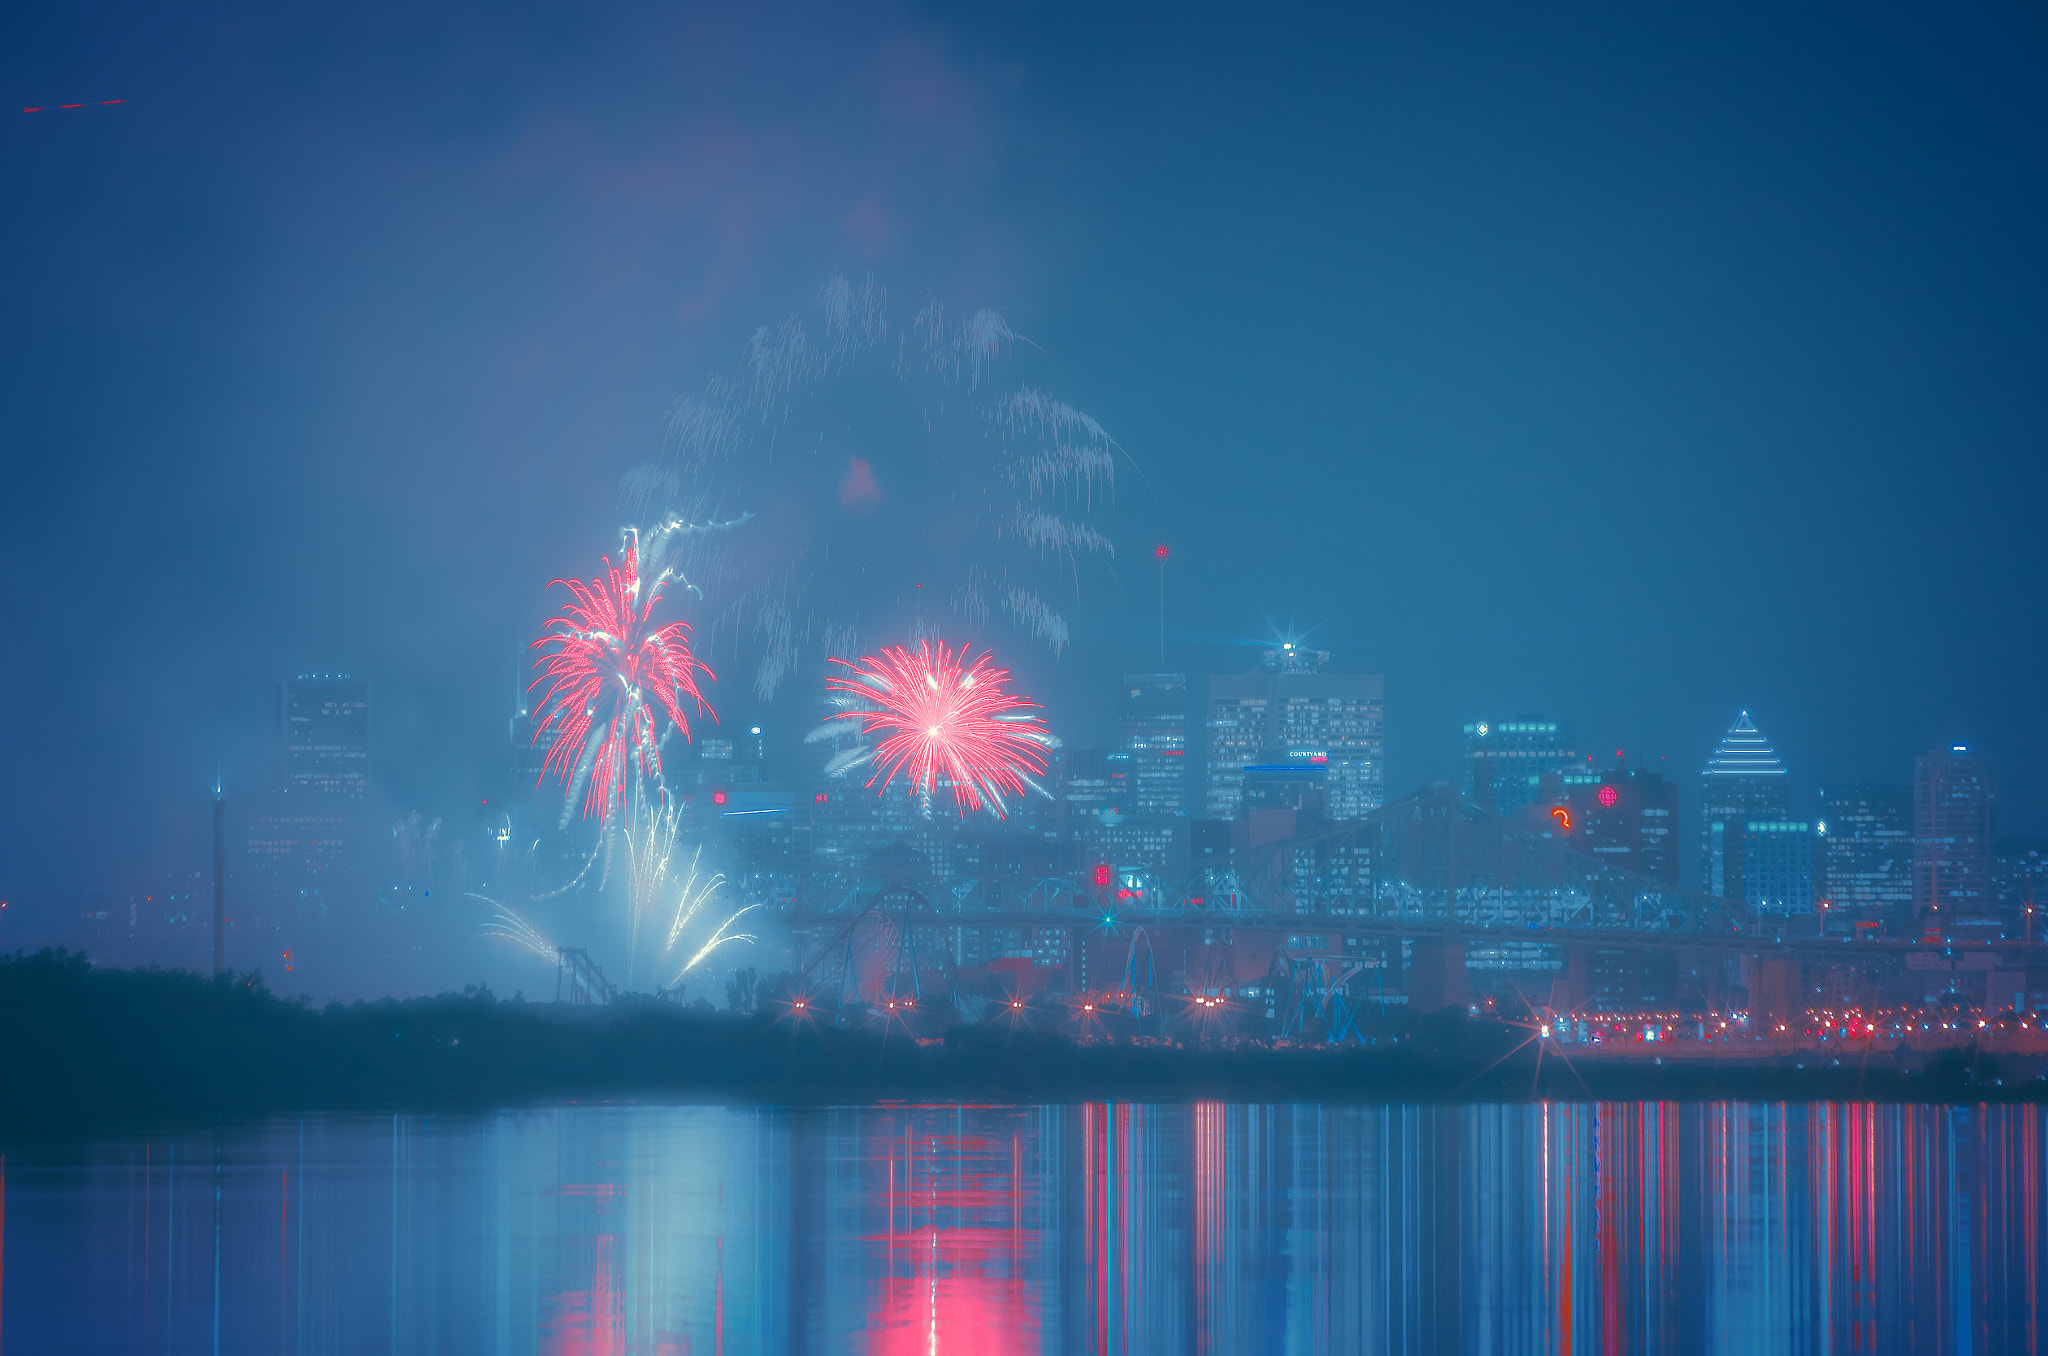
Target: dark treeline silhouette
{"points": [[90, 1045]]}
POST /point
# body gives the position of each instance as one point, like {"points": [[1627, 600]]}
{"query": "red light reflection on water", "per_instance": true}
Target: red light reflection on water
{"points": [[591, 1320], [952, 1251]]}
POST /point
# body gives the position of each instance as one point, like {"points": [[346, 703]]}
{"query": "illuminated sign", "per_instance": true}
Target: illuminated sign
{"points": [[1608, 795], [1563, 817]]}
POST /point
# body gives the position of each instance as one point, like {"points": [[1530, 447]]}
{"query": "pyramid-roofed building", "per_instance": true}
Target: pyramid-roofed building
{"points": [[1743, 780], [1744, 752]]}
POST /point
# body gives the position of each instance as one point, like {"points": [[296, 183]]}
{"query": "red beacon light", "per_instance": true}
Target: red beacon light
{"points": [[820, 798], [719, 797]]}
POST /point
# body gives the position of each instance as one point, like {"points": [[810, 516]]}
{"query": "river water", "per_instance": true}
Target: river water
{"points": [[1203, 1227]]}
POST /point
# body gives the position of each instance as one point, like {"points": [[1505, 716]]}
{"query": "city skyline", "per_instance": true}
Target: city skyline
{"points": [[1704, 435], [307, 762], [1048, 648]]}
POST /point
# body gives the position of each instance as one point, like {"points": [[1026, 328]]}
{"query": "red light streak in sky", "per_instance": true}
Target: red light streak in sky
{"points": [[53, 108]]}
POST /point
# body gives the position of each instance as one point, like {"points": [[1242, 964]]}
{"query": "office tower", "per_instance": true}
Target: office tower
{"points": [[1122, 844], [1624, 816], [307, 843], [326, 729], [1297, 781], [1776, 856], [1954, 823], [1287, 709], [530, 743], [1152, 726], [1866, 846], [1742, 781], [1093, 783], [1096, 791], [1504, 760]]}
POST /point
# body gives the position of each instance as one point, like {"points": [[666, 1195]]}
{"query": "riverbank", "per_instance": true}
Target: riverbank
{"points": [[88, 1046]]}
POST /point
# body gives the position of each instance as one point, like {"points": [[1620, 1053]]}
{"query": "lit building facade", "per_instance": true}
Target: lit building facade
{"points": [[1152, 725], [1092, 783], [1954, 824], [325, 720], [1742, 781], [1777, 864], [1625, 816], [1866, 847], [530, 744], [1292, 707], [1506, 760]]}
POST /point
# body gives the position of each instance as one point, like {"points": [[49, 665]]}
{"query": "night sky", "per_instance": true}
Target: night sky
{"points": [[1633, 365]]}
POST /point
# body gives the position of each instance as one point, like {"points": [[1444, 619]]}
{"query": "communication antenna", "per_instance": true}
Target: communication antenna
{"points": [[220, 862], [1159, 554]]}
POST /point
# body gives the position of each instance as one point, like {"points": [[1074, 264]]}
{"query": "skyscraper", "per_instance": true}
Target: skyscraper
{"points": [[530, 744], [1092, 783], [1866, 846], [1954, 822], [1624, 816], [307, 840], [1742, 781], [1776, 856], [1287, 709], [1152, 725], [326, 728], [1505, 759]]}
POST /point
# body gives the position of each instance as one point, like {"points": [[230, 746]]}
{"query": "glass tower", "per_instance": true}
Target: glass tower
{"points": [[1290, 709], [1953, 827], [1506, 759], [1742, 781], [1152, 723]]}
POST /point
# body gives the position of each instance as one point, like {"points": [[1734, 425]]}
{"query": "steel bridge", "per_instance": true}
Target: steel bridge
{"points": [[1424, 883], [1430, 862]]}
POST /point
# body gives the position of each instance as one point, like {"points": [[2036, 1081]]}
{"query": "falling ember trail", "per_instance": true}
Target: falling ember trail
{"points": [[55, 108]]}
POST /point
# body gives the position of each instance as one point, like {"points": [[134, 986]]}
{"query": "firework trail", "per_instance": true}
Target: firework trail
{"points": [[648, 852], [653, 870], [938, 717], [507, 923], [652, 876], [877, 478], [694, 892], [717, 939], [609, 669]]}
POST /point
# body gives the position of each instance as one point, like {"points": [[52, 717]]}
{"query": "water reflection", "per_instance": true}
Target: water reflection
{"points": [[1096, 1228]]}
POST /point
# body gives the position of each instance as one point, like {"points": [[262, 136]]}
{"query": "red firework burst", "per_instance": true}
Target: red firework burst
{"points": [[941, 716], [609, 669]]}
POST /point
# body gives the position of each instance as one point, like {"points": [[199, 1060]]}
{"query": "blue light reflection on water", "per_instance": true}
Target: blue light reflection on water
{"points": [[1209, 1227]]}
